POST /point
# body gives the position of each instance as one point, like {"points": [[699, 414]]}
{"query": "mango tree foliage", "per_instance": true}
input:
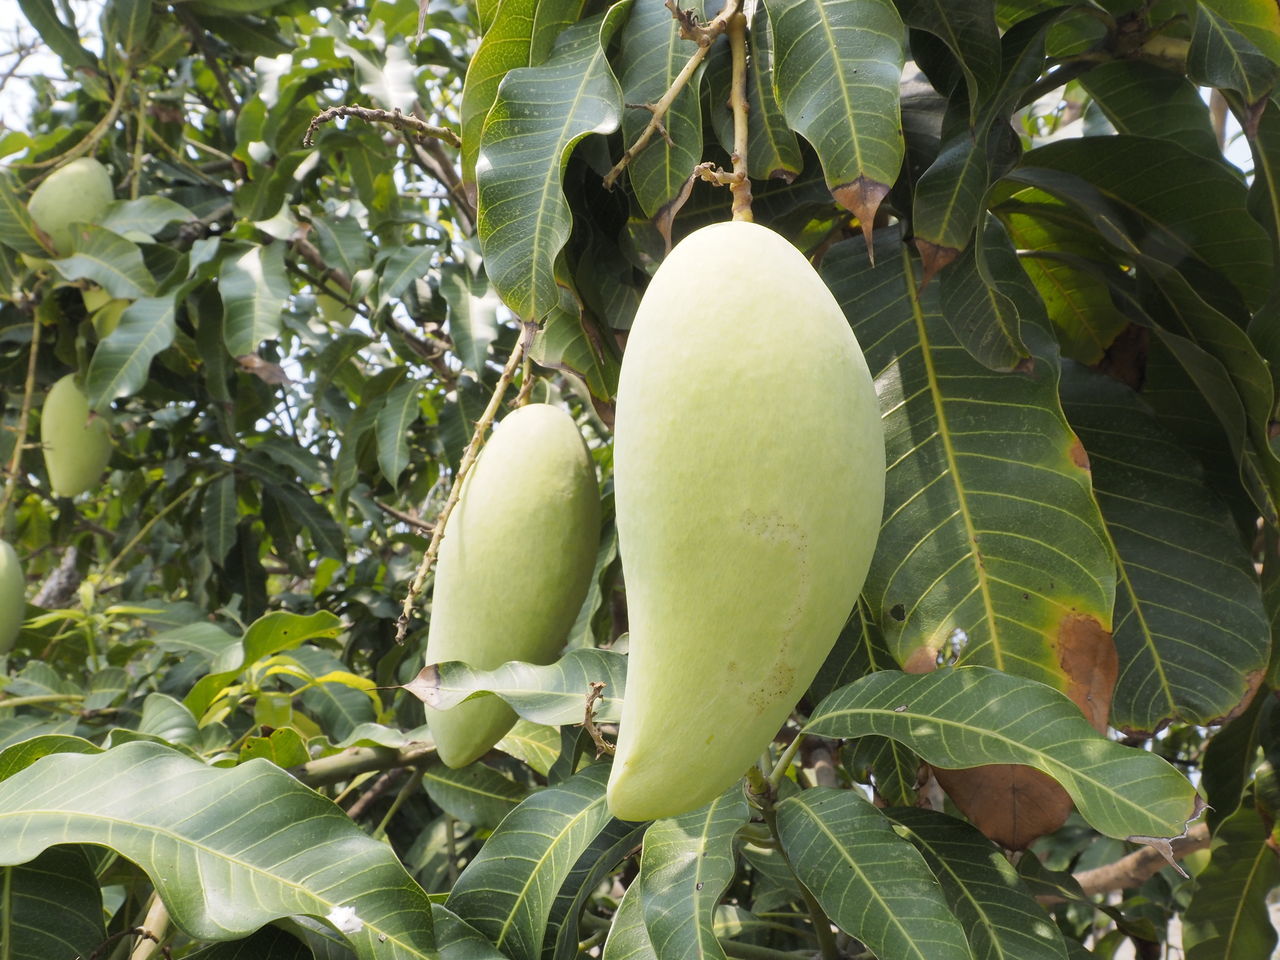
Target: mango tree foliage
{"points": [[343, 239]]}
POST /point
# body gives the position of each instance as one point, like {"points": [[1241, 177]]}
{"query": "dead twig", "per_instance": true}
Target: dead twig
{"points": [[603, 746], [419, 129]]}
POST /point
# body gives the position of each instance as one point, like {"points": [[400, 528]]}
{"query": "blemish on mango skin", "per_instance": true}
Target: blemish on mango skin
{"points": [[922, 660]]}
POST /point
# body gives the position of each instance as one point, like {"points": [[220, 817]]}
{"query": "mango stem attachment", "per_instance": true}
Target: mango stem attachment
{"points": [[741, 186], [703, 36], [468, 459]]}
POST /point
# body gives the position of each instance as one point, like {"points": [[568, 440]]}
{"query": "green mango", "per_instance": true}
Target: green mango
{"points": [[76, 193], [13, 601], [76, 446], [749, 483], [514, 566]]}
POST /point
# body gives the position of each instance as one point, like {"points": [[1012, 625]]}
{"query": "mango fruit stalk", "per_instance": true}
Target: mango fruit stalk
{"points": [[749, 483], [76, 193], [514, 566], [76, 446], [12, 597]]}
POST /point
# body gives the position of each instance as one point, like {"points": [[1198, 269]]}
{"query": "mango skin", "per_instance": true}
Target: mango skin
{"points": [[13, 603], [76, 193], [514, 566], [76, 448], [749, 484]]}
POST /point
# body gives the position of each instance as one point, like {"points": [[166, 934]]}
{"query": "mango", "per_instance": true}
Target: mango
{"points": [[749, 483], [12, 597], [76, 193], [76, 447], [514, 566]]}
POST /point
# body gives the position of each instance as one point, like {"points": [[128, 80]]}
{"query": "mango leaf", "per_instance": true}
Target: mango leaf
{"points": [[109, 260], [399, 412], [51, 906], [267, 846], [553, 694], [520, 35], [948, 202], [628, 936], [507, 891], [595, 864], [651, 55], [837, 67], [983, 295], [969, 716], [1222, 56], [1001, 918], [148, 215], [540, 114], [253, 286], [872, 883], [17, 229], [1228, 918], [567, 342], [1190, 628], [685, 868], [267, 635], [458, 939], [122, 362], [474, 794], [991, 545], [772, 149], [1141, 99], [218, 517], [968, 28], [269, 943], [473, 314], [61, 38]]}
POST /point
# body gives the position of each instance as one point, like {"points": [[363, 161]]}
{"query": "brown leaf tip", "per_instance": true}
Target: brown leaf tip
{"points": [[862, 197], [426, 685], [933, 257]]}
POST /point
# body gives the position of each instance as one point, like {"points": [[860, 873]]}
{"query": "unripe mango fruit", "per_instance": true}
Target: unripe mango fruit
{"points": [[76, 447], [749, 482], [12, 597], [514, 566], [76, 193]]}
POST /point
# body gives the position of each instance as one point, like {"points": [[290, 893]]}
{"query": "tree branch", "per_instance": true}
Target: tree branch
{"points": [[419, 128], [1135, 868], [357, 760]]}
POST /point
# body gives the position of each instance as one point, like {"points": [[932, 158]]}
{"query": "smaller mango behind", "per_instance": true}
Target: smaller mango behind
{"points": [[77, 193], [514, 567], [12, 596]]}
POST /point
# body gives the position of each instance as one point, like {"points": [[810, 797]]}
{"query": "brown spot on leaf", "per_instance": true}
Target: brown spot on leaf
{"points": [[1011, 804], [862, 197], [1026, 365], [426, 685], [1088, 659], [783, 174], [1079, 456], [1126, 357], [922, 660], [1252, 681], [934, 258]]}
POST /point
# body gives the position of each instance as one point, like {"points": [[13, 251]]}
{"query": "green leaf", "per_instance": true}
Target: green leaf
{"points": [[837, 67], [948, 202], [1228, 918], [473, 314], [343, 243], [983, 296], [269, 943], [228, 850], [536, 744], [17, 229], [312, 514], [458, 939], [253, 287], [51, 907], [872, 883], [1143, 100], [568, 341], [553, 694], [474, 794], [507, 891], [1190, 628], [61, 38], [651, 55], [685, 868], [402, 267], [21, 755], [1221, 56], [628, 936], [521, 35], [399, 412], [997, 912], [540, 114], [121, 364], [109, 260], [168, 719], [968, 28], [129, 20], [991, 544], [218, 518], [603, 857], [267, 635], [970, 716]]}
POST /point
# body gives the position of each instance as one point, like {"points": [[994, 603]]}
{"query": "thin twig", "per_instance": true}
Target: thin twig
{"points": [[468, 458], [703, 36], [741, 188], [419, 128], [603, 746]]}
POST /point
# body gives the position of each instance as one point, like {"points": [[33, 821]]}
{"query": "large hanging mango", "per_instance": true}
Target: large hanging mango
{"points": [[514, 566], [12, 597], [78, 192], [749, 482], [76, 445]]}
